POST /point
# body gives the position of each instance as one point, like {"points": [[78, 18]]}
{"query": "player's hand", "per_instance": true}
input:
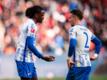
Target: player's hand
{"points": [[93, 56], [69, 62], [49, 58]]}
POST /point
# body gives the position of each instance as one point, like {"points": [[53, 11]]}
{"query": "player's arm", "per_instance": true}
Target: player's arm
{"points": [[29, 42], [71, 52], [98, 46], [72, 46]]}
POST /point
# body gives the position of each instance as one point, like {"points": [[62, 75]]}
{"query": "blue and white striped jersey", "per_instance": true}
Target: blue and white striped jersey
{"points": [[83, 37], [29, 28]]}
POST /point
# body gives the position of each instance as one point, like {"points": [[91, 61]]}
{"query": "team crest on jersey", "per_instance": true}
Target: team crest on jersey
{"points": [[32, 30]]}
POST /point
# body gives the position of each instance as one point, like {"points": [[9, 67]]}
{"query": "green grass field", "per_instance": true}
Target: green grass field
{"points": [[92, 78], [103, 77]]}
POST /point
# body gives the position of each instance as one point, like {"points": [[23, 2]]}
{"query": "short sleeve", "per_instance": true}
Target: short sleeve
{"points": [[72, 33], [93, 36]]}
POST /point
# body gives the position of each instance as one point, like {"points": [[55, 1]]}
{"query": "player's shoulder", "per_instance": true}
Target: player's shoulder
{"points": [[28, 24], [73, 28], [83, 28], [31, 23]]}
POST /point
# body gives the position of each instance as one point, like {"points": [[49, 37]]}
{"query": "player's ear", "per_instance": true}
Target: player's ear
{"points": [[36, 16]]}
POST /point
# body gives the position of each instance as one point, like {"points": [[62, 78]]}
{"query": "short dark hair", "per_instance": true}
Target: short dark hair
{"points": [[30, 12], [78, 13]]}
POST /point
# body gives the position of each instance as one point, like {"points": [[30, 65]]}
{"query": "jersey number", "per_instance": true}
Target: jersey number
{"points": [[86, 43]]}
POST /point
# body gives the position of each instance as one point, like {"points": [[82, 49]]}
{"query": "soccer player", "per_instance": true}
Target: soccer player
{"points": [[26, 47], [78, 60]]}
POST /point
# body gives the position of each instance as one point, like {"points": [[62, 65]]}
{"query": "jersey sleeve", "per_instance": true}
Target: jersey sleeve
{"points": [[31, 32], [72, 33], [73, 42], [30, 45], [97, 43]]}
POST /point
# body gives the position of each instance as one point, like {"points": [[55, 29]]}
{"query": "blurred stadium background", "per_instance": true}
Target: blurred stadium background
{"points": [[52, 35]]}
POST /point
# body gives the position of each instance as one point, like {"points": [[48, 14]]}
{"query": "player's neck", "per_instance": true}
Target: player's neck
{"points": [[78, 22]]}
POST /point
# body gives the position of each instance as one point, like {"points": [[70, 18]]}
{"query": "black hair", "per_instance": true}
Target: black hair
{"points": [[78, 13], [30, 12]]}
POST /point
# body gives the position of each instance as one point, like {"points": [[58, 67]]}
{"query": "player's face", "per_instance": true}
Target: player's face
{"points": [[72, 19], [40, 17]]}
